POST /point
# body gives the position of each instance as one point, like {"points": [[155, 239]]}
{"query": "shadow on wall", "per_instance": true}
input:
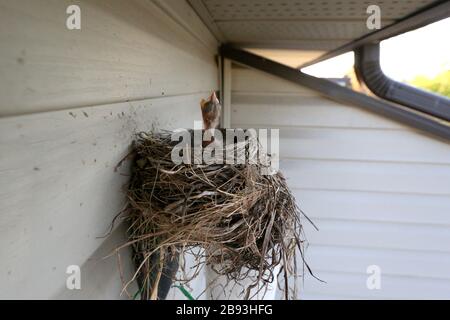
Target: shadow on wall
{"points": [[100, 276]]}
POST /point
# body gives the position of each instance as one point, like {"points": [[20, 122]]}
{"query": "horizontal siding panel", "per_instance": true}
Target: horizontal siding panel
{"points": [[359, 144], [392, 262], [371, 145], [391, 287], [377, 190], [367, 176], [379, 235], [376, 207], [125, 50], [247, 80], [182, 12], [58, 187], [280, 110]]}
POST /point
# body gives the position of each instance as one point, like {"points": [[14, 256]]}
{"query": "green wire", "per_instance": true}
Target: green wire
{"points": [[138, 292], [185, 292], [182, 289]]}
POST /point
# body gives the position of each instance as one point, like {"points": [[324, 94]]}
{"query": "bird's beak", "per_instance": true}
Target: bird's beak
{"points": [[214, 98]]}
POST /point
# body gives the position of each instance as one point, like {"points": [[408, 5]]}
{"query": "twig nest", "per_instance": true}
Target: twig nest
{"points": [[244, 221]]}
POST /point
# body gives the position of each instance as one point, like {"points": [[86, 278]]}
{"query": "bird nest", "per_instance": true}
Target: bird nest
{"points": [[241, 223]]}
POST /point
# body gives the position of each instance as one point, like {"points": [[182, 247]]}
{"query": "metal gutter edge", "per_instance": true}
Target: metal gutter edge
{"points": [[338, 93]]}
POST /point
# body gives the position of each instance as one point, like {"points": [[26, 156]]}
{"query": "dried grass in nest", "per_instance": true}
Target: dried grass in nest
{"points": [[245, 222]]}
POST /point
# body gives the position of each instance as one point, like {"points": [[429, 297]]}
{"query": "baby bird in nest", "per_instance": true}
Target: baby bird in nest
{"points": [[211, 110]]}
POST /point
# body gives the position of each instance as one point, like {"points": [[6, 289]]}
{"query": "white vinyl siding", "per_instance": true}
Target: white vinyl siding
{"points": [[70, 104], [378, 191]]}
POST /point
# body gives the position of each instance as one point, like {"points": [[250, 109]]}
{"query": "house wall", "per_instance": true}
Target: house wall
{"points": [[378, 191], [70, 103]]}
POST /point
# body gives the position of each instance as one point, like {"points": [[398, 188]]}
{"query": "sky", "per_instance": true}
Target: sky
{"points": [[425, 51]]}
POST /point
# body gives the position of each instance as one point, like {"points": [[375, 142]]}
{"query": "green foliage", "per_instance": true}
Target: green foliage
{"points": [[439, 84]]}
